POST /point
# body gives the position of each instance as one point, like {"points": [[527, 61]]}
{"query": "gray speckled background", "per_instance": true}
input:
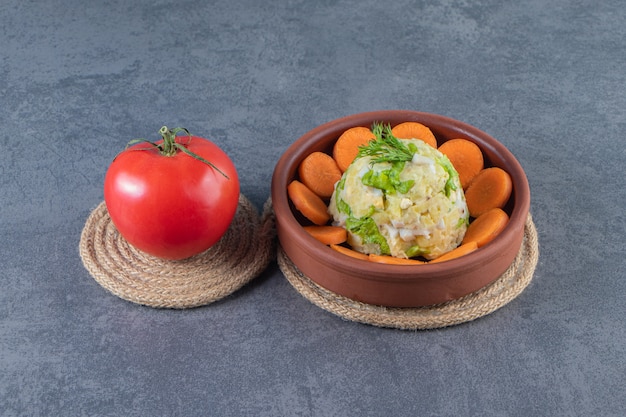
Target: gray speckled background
{"points": [[78, 79]]}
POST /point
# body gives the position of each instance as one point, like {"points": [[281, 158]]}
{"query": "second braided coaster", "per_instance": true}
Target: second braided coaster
{"points": [[472, 306], [240, 255]]}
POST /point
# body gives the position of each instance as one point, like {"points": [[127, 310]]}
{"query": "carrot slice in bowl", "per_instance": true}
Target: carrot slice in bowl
{"points": [[491, 188], [349, 252], [308, 203], [347, 146], [319, 172], [414, 130], [486, 227], [466, 157], [328, 235], [457, 252]]}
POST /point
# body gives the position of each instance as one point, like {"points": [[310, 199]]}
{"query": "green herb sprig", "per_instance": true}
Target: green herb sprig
{"points": [[386, 147]]}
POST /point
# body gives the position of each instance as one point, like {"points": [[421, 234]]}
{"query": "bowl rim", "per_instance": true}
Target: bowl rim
{"points": [[398, 273]]}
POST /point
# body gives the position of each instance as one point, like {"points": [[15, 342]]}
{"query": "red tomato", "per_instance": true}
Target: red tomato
{"points": [[176, 206]]}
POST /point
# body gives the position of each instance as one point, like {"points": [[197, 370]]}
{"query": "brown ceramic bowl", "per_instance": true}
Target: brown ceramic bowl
{"points": [[398, 285]]}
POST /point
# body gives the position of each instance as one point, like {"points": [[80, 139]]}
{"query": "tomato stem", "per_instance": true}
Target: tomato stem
{"points": [[169, 147]]}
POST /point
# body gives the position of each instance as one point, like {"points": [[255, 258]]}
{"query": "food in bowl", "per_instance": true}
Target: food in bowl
{"points": [[400, 197]]}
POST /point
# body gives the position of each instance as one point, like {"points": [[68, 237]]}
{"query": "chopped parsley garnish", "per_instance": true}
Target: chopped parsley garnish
{"points": [[365, 227], [342, 206], [463, 221], [388, 180], [450, 186], [416, 251]]}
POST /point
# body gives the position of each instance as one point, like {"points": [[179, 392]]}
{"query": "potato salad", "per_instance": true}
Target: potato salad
{"points": [[400, 197]]}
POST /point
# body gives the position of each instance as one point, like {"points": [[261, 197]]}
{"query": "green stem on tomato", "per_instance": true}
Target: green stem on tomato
{"points": [[169, 138], [169, 146]]}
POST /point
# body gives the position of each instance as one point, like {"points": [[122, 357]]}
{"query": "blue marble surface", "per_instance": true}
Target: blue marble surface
{"points": [[79, 79]]}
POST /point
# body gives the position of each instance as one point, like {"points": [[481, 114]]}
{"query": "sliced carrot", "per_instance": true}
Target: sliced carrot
{"points": [[328, 235], [489, 189], [347, 146], [308, 203], [349, 252], [486, 227], [466, 157], [392, 260], [457, 252], [319, 172], [414, 130]]}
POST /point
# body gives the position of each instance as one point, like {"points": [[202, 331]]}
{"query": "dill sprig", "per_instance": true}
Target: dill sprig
{"points": [[386, 147]]}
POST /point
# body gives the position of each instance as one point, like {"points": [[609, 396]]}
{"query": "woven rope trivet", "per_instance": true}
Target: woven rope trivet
{"points": [[240, 255], [470, 307]]}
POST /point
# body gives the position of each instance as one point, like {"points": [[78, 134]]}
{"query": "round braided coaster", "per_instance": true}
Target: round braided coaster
{"points": [[240, 255], [472, 306]]}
